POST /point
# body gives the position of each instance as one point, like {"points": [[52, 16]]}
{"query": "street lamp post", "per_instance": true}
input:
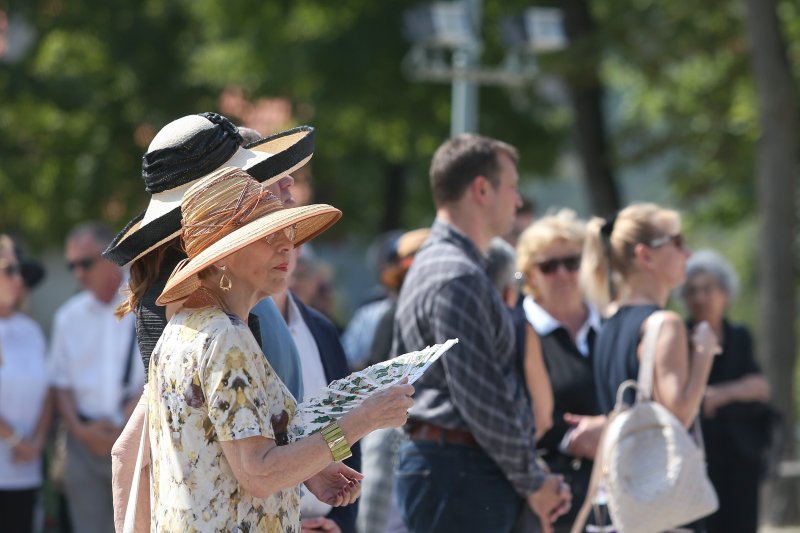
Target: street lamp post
{"points": [[453, 27], [464, 103]]}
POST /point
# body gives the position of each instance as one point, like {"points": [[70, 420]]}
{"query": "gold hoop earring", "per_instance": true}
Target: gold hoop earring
{"points": [[225, 282]]}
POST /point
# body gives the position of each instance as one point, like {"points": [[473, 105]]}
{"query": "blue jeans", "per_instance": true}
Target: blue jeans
{"points": [[450, 488]]}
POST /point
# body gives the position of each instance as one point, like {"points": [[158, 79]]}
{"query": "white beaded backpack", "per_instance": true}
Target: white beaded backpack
{"points": [[653, 471]]}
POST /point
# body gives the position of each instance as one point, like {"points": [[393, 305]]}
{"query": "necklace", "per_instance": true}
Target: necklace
{"points": [[205, 297]]}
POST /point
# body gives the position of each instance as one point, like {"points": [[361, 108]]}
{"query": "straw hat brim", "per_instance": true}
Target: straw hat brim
{"points": [[267, 160], [311, 220]]}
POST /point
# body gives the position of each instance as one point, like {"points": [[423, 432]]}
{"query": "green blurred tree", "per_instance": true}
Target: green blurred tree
{"points": [[102, 77], [78, 108]]}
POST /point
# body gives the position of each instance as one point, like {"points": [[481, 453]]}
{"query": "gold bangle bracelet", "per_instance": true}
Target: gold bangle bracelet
{"points": [[338, 445]]}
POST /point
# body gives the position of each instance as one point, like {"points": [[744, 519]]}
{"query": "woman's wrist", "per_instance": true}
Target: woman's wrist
{"points": [[353, 426], [336, 441]]}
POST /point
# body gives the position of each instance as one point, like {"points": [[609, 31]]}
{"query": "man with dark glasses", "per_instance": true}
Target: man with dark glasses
{"points": [[96, 373]]}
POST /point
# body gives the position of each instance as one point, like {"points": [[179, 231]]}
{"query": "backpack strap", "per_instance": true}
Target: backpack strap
{"points": [[647, 367], [647, 363]]}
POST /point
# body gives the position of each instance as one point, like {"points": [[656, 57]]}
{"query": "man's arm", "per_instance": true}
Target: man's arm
{"points": [[98, 436]]}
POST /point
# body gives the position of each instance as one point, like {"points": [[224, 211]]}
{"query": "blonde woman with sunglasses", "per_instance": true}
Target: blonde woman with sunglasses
{"points": [[548, 258], [641, 250], [638, 256]]}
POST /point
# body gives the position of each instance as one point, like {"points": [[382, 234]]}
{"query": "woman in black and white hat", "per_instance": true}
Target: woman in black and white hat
{"points": [[181, 152]]}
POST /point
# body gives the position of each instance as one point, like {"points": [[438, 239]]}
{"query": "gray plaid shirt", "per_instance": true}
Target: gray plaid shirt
{"points": [[477, 385]]}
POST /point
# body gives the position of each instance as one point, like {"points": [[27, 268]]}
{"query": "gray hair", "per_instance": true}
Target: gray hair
{"points": [[502, 260], [100, 232], [709, 262], [249, 135]]}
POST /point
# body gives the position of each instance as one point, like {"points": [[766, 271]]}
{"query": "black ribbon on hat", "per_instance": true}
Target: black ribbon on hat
{"points": [[205, 151]]}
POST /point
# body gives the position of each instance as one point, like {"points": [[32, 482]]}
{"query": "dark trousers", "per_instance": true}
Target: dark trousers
{"points": [[16, 510], [736, 483], [446, 488]]}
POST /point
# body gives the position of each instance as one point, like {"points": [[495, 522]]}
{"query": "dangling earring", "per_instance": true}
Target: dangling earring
{"points": [[225, 282]]}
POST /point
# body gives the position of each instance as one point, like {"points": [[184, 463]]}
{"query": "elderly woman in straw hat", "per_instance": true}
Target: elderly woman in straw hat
{"points": [[222, 456]]}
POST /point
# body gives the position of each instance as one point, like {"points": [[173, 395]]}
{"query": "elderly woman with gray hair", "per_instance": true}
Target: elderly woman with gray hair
{"points": [[734, 405]]}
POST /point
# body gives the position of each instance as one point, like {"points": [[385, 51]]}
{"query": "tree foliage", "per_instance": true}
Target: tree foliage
{"points": [[102, 77], [686, 96]]}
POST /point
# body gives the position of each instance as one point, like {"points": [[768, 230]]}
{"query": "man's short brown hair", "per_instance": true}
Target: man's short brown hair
{"points": [[463, 158]]}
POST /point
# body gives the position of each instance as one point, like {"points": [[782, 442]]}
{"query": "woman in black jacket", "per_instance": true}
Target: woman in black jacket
{"points": [[735, 414]]}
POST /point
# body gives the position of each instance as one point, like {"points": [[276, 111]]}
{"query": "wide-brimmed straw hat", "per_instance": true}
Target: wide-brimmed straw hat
{"points": [[228, 210], [189, 148]]}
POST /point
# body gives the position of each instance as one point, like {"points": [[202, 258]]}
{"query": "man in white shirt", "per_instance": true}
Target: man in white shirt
{"points": [[96, 372], [322, 360]]}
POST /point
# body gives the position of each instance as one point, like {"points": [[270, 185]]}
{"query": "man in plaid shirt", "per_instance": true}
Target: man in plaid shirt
{"points": [[470, 463]]}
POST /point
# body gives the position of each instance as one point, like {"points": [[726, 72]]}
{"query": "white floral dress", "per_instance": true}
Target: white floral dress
{"points": [[210, 382]]}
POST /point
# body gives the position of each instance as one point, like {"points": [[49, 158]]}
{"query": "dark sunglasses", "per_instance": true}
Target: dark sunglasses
{"points": [[12, 270], [84, 264], [676, 239], [572, 263]]}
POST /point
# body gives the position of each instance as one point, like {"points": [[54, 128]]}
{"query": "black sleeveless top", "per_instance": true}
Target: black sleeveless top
{"points": [[615, 352], [151, 318], [570, 373], [572, 380]]}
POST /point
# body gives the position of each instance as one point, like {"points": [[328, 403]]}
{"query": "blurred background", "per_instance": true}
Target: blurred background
{"points": [[689, 104]]}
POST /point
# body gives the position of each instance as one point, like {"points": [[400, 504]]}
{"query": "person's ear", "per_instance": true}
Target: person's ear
{"points": [[479, 188], [643, 256]]}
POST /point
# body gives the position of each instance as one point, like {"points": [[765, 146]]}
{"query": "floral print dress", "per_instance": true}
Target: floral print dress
{"points": [[210, 382]]}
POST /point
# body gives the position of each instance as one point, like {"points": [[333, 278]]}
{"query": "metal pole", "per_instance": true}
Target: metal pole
{"points": [[464, 104]]}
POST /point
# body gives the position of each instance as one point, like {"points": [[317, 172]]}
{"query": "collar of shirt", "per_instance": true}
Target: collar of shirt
{"points": [[294, 319], [444, 231], [544, 323], [311, 367]]}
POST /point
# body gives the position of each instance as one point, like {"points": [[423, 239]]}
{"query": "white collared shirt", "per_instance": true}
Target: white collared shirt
{"points": [[313, 380], [23, 389], [310, 359], [89, 352], [544, 323]]}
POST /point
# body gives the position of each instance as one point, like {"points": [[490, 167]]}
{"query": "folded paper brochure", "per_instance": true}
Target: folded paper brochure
{"points": [[344, 394]]}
